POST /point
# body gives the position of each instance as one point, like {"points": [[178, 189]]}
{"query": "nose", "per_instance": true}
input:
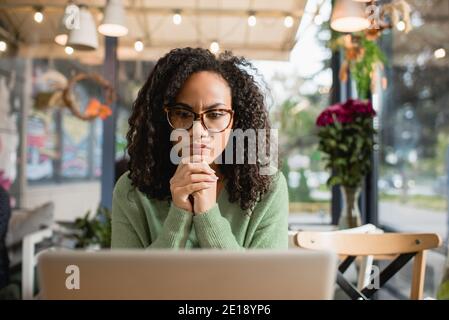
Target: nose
{"points": [[198, 130]]}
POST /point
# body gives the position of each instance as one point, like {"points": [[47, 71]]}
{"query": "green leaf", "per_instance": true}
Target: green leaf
{"points": [[443, 291], [333, 180], [343, 147]]}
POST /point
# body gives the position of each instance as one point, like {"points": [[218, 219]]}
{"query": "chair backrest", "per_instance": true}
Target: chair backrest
{"points": [[366, 262], [378, 245], [366, 228], [368, 244], [291, 239]]}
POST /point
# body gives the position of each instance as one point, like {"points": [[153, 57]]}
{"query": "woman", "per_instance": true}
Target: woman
{"points": [[197, 202]]}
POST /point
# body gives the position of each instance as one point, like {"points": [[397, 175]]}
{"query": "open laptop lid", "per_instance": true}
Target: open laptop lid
{"points": [[187, 275]]}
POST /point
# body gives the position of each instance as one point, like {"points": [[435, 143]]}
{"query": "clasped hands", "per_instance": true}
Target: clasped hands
{"points": [[194, 185]]}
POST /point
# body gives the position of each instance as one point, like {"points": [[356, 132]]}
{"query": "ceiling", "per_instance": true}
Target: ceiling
{"points": [[203, 21]]}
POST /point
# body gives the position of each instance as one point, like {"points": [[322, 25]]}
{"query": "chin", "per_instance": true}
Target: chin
{"points": [[208, 159], [206, 155]]}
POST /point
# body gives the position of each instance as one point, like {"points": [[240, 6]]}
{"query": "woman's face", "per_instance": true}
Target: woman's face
{"points": [[209, 94]]}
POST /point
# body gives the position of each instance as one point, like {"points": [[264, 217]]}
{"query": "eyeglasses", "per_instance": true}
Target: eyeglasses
{"points": [[214, 120]]}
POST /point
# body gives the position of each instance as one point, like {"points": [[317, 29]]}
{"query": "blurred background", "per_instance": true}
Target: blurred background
{"points": [[62, 136]]}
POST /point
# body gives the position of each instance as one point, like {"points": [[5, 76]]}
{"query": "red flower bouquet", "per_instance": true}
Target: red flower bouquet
{"points": [[346, 112], [347, 138]]}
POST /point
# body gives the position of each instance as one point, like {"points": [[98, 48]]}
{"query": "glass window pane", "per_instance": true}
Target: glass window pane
{"points": [[414, 137], [298, 92], [75, 147], [42, 142], [414, 132]]}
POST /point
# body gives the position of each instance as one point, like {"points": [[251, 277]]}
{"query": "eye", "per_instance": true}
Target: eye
{"points": [[182, 113], [213, 115]]}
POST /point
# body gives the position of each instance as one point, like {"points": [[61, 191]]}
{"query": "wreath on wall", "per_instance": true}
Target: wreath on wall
{"points": [[62, 95], [94, 108]]}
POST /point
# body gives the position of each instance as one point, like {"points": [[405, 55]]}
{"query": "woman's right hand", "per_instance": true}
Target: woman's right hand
{"points": [[191, 176]]}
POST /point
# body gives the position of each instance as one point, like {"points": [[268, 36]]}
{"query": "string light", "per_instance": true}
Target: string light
{"points": [[440, 53], [68, 50], [400, 26], [138, 46], [214, 47], [177, 18], [288, 21], [252, 21], [38, 15], [3, 46]]}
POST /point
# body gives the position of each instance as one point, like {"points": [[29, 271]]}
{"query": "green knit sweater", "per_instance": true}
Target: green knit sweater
{"points": [[140, 222]]}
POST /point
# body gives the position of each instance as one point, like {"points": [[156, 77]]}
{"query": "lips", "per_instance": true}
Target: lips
{"points": [[200, 149], [200, 146]]}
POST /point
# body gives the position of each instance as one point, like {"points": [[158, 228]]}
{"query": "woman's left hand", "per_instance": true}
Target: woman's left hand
{"points": [[205, 199]]}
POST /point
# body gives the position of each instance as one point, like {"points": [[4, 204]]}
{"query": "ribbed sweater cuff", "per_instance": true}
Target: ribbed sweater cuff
{"points": [[177, 218], [214, 231], [176, 229]]}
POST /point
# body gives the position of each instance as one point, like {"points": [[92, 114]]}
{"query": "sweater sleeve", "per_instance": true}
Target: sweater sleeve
{"points": [[214, 231], [176, 229], [128, 219]]}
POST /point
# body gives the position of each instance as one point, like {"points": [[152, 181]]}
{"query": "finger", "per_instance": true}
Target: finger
{"points": [[193, 159], [190, 168], [193, 178], [183, 176], [197, 158], [194, 187], [185, 159]]}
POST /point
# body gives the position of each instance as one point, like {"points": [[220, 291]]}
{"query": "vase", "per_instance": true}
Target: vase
{"points": [[350, 214]]}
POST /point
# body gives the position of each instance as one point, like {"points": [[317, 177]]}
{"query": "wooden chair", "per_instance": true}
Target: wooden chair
{"points": [[398, 247], [366, 262]]}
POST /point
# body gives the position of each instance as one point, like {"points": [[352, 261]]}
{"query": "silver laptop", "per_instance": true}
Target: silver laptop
{"points": [[187, 275]]}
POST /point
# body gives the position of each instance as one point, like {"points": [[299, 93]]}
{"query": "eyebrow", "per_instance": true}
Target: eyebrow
{"points": [[185, 105]]}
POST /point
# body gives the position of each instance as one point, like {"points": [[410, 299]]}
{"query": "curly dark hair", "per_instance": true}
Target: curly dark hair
{"points": [[149, 133]]}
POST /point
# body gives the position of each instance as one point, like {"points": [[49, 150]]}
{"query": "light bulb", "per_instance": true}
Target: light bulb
{"points": [[3, 46], [138, 46], [38, 16], [68, 50], [177, 18], [214, 47], [440, 53], [288, 22], [252, 20], [400, 26], [61, 39]]}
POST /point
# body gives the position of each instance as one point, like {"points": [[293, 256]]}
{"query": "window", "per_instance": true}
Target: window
{"points": [[414, 136], [298, 91], [414, 132]]}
